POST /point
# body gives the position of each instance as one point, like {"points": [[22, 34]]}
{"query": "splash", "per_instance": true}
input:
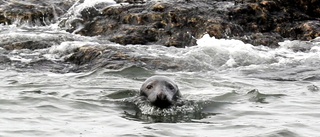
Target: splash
{"points": [[183, 111], [75, 13], [230, 53], [66, 49], [80, 5], [223, 53]]}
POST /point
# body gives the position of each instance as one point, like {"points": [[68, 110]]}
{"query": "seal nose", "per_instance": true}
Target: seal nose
{"points": [[161, 96]]}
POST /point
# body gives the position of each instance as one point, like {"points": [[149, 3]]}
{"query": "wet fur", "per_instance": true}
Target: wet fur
{"points": [[160, 91]]}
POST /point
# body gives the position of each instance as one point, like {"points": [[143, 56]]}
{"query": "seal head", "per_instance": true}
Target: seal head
{"points": [[161, 91]]}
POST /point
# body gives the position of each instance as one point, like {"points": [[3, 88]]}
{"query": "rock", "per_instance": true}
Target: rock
{"points": [[32, 45], [282, 19], [270, 39], [4, 59], [310, 30], [88, 58], [115, 57], [130, 1], [174, 23], [309, 7], [141, 36], [84, 55], [178, 23], [150, 23], [33, 12]]}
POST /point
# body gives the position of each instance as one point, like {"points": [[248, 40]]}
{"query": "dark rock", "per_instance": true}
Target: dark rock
{"points": [[32, 12], [131, 1], [4, 59], [150, 23], [32, 45], [236, 2], [270, 39], [310, 30], [141, 36], [178, 23], [284, 19], [84, 55], [89, 58]]}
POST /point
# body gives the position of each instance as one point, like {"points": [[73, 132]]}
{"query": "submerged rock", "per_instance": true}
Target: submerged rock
{"points": [[4, 59], [114, 57], [32, 45], [84, 55]]}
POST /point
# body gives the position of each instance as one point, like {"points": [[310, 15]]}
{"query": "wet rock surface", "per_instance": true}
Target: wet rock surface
{"points": [[4, 59], [177, 23], [32, 12], [277, 20], [32, 45], [110, 57]]}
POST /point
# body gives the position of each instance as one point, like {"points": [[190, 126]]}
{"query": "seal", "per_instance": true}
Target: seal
{"points": [[161, 91]]}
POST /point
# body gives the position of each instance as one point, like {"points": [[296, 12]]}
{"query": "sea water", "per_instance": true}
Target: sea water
{"points": [[229, 88]]}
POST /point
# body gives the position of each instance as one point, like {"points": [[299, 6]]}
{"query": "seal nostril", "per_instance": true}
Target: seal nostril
{"points": [[162, 101], [161, 96]]}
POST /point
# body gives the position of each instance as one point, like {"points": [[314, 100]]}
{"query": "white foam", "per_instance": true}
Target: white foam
{"points": [[229, 53], [58, 52], [78, 7], [74, 13], [19, 58], [212, 53], [300, 52]]}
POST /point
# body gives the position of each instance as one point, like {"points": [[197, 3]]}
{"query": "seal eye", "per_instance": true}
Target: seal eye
{"points": [[171, 87], [149, 87]]}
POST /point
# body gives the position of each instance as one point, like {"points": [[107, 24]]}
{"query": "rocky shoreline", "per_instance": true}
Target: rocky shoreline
{"points": [[178, 22], [175, 23]]}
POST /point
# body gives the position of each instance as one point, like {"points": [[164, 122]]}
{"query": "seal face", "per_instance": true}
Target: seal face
{"points": [[160, 91]]}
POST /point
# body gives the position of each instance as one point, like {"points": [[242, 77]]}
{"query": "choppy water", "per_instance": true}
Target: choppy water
{"points": [[229, 89]]}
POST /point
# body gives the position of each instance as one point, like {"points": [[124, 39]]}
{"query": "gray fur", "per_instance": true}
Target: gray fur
{"points": [[160, 91]]}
